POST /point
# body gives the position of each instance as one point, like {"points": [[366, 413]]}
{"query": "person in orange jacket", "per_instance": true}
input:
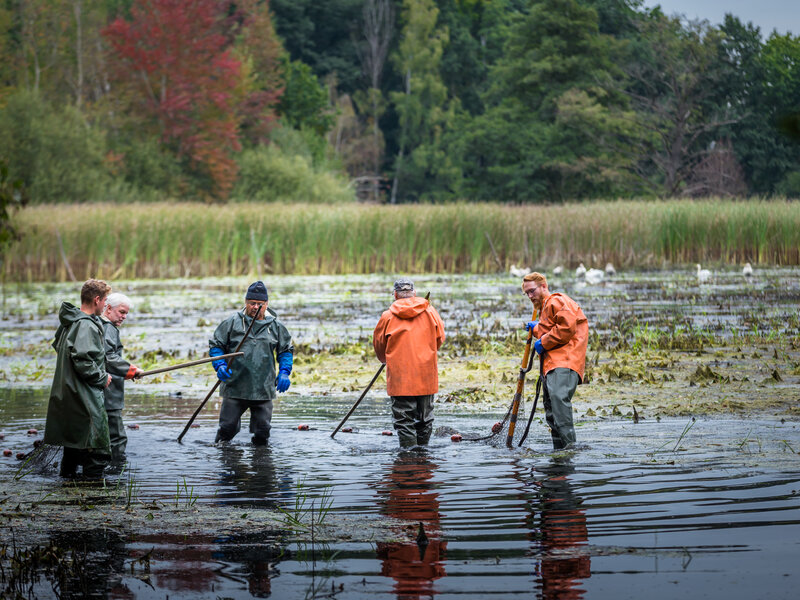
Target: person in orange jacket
{"points": [[406, 339], [562, 335]]}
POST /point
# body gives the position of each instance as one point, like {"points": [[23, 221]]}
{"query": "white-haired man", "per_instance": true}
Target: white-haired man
{"points": [[116, 311]]}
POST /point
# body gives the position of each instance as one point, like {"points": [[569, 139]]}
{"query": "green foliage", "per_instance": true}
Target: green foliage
{"points": [[525, 147], [148, 167], [12, 196], [56, 154], [320, 34], [423, 108], [304, 103], [267, 174]]}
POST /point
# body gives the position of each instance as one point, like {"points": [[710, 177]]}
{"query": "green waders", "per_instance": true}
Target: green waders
{"points": [[559, 387], [119, 439], [413, 419]]}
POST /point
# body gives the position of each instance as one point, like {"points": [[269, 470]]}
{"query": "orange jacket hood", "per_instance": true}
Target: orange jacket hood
{"points": [[407, 338], [408, 308]]}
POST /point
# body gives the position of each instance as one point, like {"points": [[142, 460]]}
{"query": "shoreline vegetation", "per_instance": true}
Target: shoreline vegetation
{"points": [[167, 240]]}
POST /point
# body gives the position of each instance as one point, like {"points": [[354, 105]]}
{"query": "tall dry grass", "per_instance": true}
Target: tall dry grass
{"points": [[180, 240]]}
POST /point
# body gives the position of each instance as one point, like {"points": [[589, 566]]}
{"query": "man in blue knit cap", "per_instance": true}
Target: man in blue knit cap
{"points": [[250, 381]]}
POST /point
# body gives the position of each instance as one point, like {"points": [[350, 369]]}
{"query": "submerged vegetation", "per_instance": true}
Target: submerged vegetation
{"points": [[181, 240]]}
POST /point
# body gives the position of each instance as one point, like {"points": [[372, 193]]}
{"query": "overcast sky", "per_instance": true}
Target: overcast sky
{"points": [[783, 15]]}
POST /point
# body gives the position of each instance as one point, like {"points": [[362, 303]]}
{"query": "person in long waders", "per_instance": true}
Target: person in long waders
{"points": [[251, 381], [76, 415], [407, 338], [116, 311], [562, 336]]}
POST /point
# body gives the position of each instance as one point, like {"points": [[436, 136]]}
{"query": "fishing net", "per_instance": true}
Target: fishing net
{"points": [[499, 432], [39, 460]]}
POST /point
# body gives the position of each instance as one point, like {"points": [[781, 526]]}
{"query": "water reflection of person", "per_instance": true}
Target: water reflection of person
{"points": [[409, 493], [249, 479], [560, 533]]}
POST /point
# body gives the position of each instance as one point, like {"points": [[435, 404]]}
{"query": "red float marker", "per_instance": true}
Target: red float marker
{"points": [[21, 456], [497, 427], [302, 427], [347, 430], [134, 426], [7, 453], [32, 431], [456, 437], [387, 432]]}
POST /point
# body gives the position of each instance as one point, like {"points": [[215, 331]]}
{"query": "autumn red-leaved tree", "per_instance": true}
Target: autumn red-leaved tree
{"points": [[174, 57]]}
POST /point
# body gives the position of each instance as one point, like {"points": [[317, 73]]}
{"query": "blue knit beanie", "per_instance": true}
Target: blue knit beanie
{"points": [[257, 291]]}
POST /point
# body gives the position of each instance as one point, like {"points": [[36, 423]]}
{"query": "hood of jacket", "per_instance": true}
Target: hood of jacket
{"points": [[69, 313], [408, 308]]}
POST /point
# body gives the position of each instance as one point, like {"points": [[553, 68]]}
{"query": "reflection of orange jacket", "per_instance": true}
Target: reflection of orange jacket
{"points": [[564, 331], [406, 338]]}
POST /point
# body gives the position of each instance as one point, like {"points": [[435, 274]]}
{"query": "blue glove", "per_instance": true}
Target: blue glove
{"points": [[224, 373], [537, 345], [283, 381], [217, 363], [531, 325]]}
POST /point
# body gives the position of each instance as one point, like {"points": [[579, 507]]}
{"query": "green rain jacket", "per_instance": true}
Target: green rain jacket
{"points": [[254, 373], [76, 417], [117, 367]]}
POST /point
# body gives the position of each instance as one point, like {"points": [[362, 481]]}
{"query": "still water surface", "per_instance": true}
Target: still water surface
{"points": [[636, 511]]}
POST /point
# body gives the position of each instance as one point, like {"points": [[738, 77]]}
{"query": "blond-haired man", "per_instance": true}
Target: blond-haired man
{"points": [[562, 336]]}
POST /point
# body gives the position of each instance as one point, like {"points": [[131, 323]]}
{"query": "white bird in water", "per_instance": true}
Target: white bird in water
{"points": [[703, 275], [594, 276], [558, 270], [610, 270], [518, 272], [747, 270], [580, 271]]}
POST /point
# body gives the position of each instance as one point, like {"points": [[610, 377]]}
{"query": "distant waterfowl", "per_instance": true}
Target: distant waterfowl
{"points": [[703, 275], [580, 271], [747, 270], [593, 276], [518, 272], [610, 270]]}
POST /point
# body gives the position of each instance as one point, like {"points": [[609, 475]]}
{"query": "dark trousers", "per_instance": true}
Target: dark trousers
{"points": [[559, 387], [230, 419], [413, 419], [119, 439]]}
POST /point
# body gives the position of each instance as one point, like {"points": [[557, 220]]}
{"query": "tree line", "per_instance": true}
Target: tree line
{"points": [[416, 100]]}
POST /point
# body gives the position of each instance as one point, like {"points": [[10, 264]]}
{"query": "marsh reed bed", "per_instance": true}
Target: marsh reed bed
{"points": [[194, 240]]}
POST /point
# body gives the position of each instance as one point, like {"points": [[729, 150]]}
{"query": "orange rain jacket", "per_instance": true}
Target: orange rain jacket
{"points": [[406, 338], [564, 331]]}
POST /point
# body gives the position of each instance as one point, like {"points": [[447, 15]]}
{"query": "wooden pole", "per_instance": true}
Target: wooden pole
{"points": [[201, 361], [523, 370], [360, 398]]}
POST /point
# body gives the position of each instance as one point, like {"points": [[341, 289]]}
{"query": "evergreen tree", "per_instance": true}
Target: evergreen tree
{"points": [[423, 165]]}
